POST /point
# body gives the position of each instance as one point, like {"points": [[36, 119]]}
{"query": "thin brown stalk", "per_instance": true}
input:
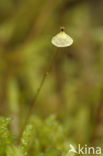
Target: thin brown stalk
{"points": [[31, 109], [41, 84]]}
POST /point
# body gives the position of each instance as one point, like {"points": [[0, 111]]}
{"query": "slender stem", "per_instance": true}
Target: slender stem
{"points": [[41, 84], [31, 109]]}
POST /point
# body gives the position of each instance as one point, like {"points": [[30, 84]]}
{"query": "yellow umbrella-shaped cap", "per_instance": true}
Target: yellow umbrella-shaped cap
{"points": [[62, 39]]}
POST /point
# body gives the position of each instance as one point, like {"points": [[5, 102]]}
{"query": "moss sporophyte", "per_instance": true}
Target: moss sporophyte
{"points": [[61, 40]]}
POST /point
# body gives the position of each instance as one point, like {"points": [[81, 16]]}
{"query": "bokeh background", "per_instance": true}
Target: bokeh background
{"points": [[73, 91]]}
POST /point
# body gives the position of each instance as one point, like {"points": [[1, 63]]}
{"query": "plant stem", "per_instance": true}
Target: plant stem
{"points": [[31, 109], [41, 84]]}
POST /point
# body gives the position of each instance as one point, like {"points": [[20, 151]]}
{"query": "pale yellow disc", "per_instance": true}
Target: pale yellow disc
{"points": [[62, 40]]}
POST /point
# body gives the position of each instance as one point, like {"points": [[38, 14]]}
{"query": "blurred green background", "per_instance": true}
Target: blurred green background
{"points": [[73, 91]]}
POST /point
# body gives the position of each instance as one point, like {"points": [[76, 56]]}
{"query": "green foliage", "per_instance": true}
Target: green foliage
{"points": [[49, 136], [43, 137], [14, 151], [40, 137], [5, 137], [26, 138]]}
